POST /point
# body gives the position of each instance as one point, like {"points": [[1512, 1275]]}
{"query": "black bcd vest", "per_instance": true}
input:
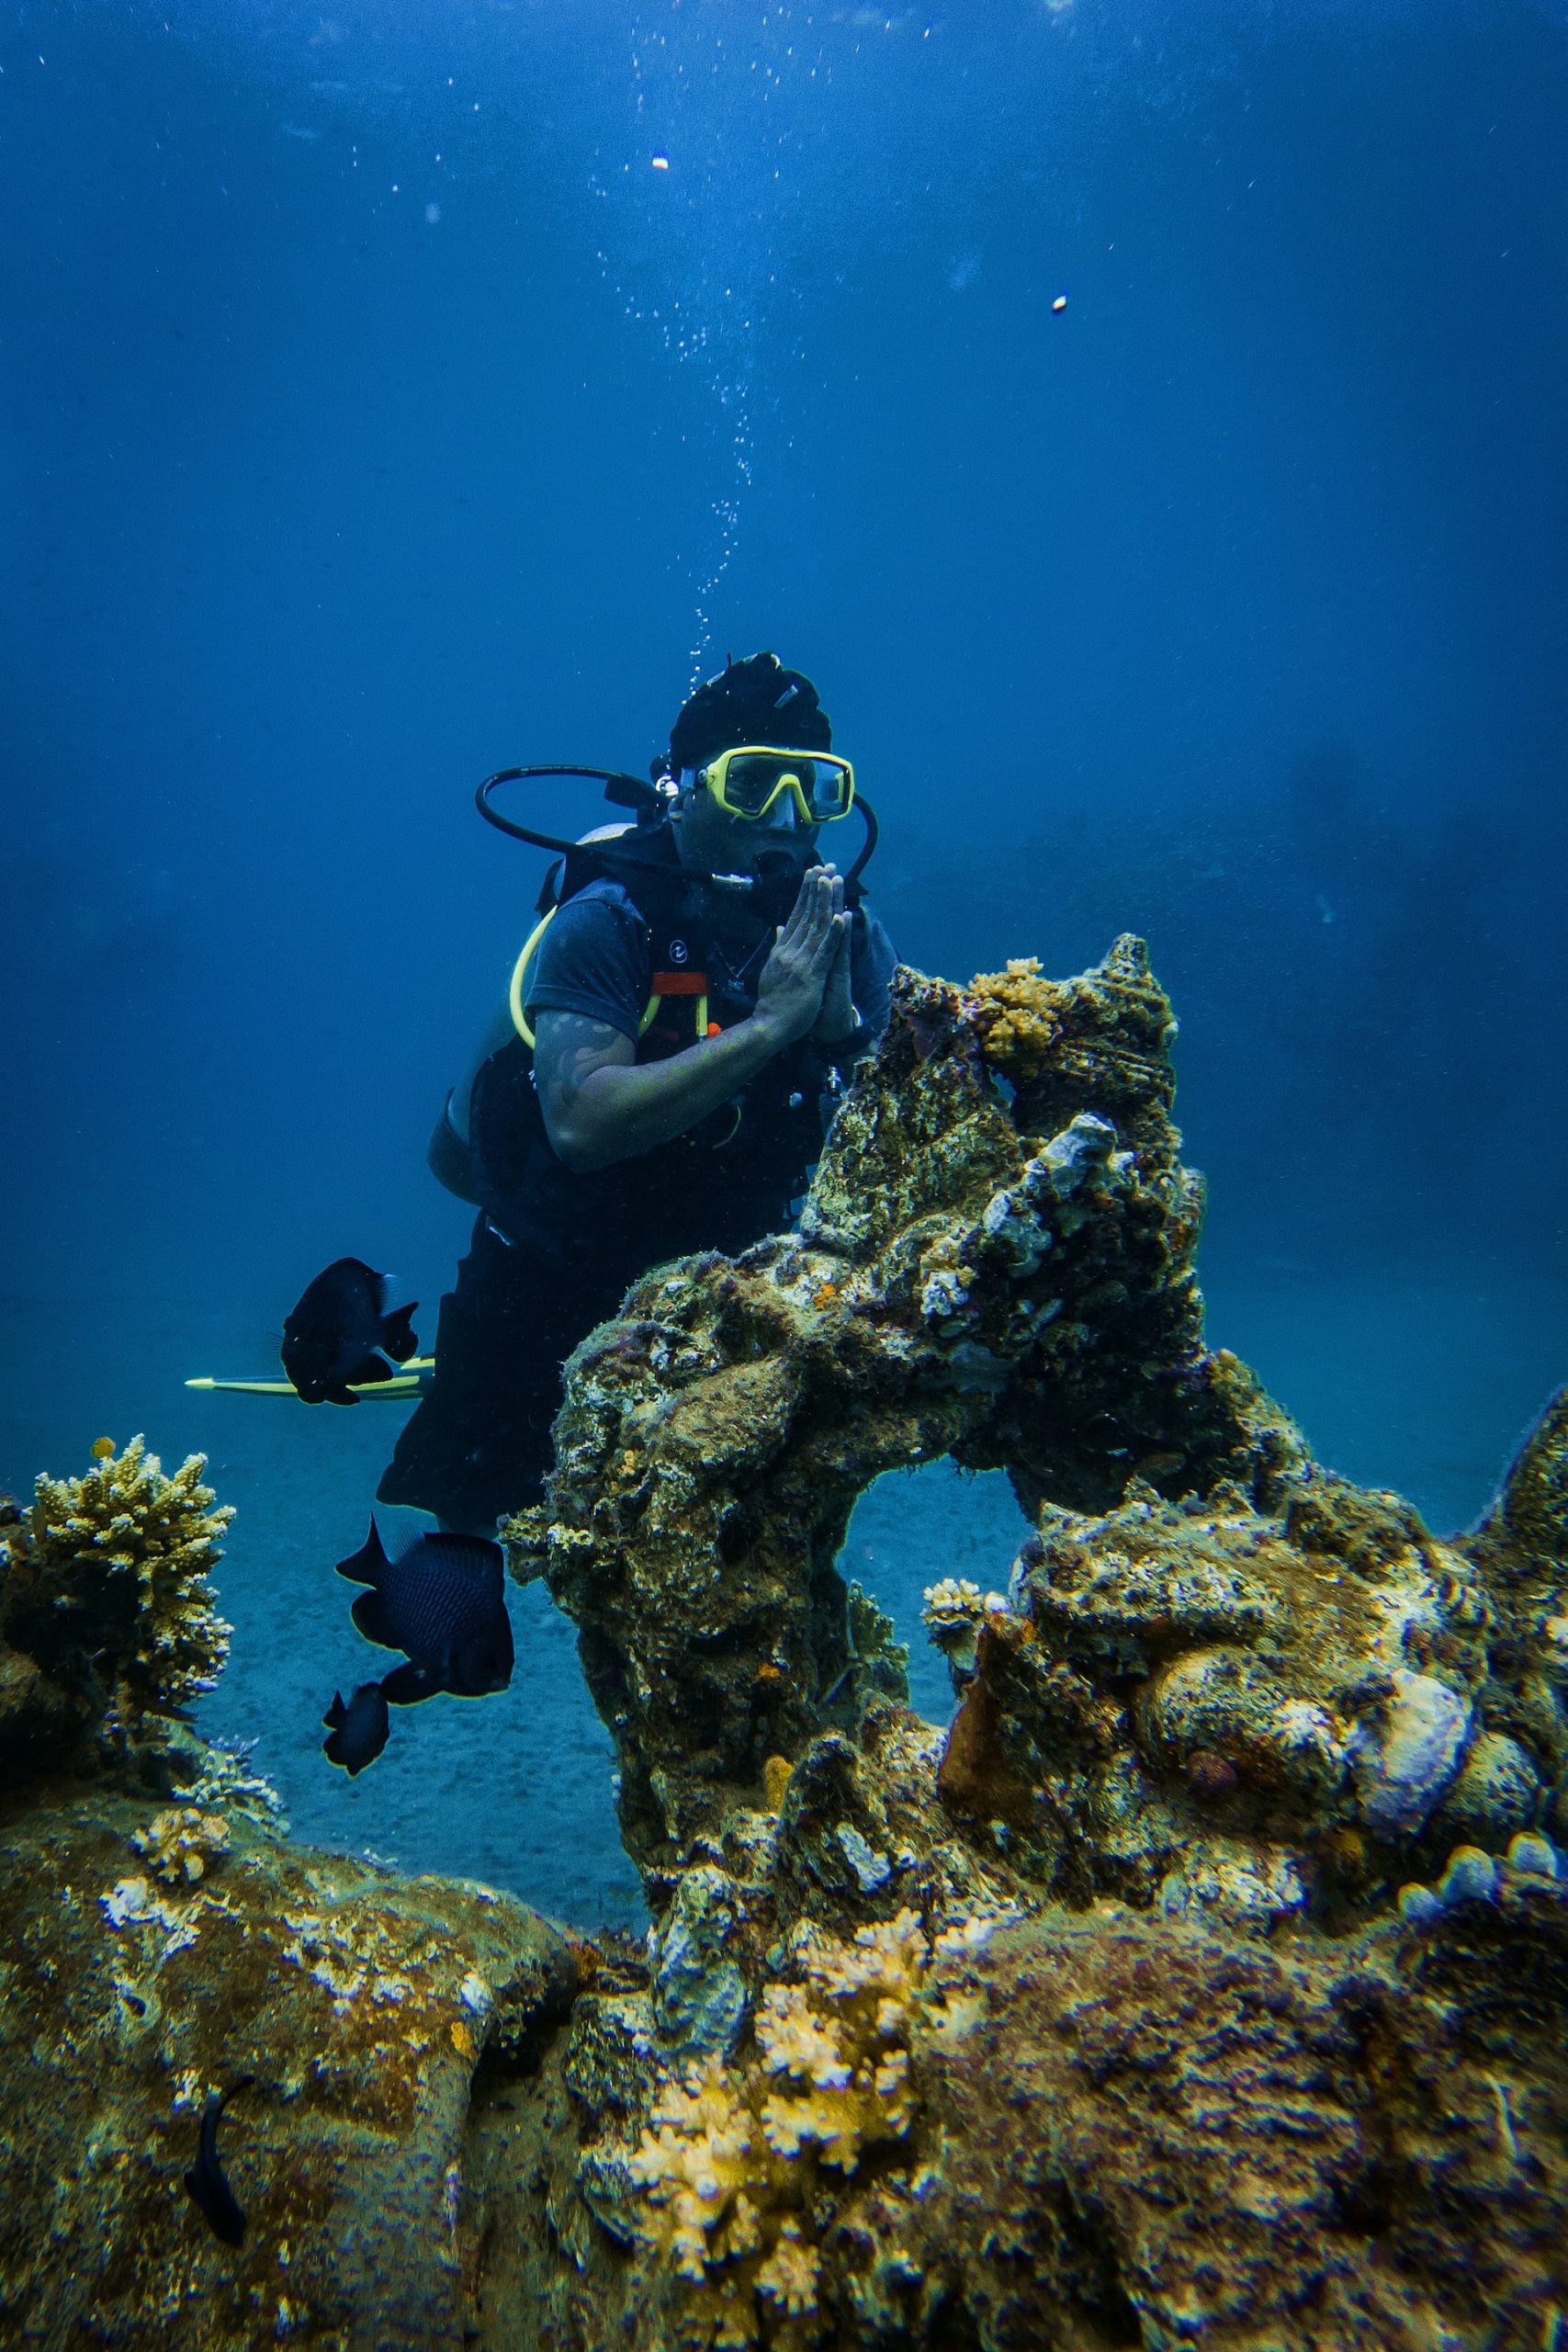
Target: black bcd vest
{"points": [[722, 1184]]}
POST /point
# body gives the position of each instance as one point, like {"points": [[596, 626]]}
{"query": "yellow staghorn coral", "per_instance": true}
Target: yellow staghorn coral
{"points": [[1015, 1017], [729, 2163], [693, 2164], [107, 1588], [789, 2276]]}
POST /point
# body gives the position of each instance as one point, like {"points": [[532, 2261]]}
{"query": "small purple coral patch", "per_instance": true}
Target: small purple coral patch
{"points": [[1208, 1775]]}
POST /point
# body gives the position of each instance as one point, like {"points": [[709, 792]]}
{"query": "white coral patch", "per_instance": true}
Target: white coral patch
{"points": [[953, 1598], [945, 1296], [475, 1993], [130, 1899], [1301, 1724]]}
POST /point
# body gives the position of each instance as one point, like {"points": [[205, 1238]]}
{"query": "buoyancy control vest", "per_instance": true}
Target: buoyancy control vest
{"points": [[720, 1185]]}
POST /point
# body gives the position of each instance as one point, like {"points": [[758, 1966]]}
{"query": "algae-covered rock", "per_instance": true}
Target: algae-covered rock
{"points": [[1162, 2137], [1205, 1979], [961, 1283], [361, 2004]]}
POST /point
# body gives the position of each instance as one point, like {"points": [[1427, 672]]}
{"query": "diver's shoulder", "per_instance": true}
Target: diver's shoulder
{"points": [[870, 936], [603, 896]]}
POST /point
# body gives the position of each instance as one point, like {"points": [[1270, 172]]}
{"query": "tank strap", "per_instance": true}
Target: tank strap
{"points": [[665, 984], [682, 984]]}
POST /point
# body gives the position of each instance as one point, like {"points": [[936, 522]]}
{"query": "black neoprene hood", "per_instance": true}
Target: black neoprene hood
{"points": [[756, 700]]}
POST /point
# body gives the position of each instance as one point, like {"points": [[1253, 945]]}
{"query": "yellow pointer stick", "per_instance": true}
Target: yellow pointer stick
{"points": [[405, 1384]]}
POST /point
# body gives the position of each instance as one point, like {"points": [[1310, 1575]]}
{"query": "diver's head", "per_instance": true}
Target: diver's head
{"points": [[750, 754], [754, 701]]}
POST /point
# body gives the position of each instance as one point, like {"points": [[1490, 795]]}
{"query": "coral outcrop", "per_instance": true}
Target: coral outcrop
{"points": [[1203, 1980], [363, 2004], [108, 1627], [1222, 1701], [960, 1284], [151, 1955]]}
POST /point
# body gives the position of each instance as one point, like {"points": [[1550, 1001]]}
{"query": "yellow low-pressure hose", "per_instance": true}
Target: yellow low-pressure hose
{"points": [[515, 998], [514, 993]]}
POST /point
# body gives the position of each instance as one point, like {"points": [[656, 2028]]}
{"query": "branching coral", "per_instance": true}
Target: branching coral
{"points": [[955, 1612], [728, 2163], [108, 1586], [838, 2043], [178, 1844], [228, 1779], [1016, 1018]]}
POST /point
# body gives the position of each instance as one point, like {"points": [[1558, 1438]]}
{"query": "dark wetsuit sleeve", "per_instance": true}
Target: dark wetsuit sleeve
{"points": [[592, 960], [872, 966]]}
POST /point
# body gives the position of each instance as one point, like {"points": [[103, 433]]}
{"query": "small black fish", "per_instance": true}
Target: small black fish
{"points": [[443, 1604], [357, 1734], [205, 2182], [331, 1338]]}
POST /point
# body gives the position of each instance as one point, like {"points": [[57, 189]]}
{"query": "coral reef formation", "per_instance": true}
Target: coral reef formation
{"points": [[107, 1621], [361, 2005], [1205, 1979], [730, 2164], [960, 1284], [1220, 1695]]}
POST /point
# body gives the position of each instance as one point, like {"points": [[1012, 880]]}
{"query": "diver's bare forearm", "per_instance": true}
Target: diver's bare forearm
{"points": [[616, 1110]]}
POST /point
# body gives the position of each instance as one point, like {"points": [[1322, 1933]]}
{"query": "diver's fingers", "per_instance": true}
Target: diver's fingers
{"points": [[799, 928], [808, 898], [825, 948], [819, 914], [789, 929]]}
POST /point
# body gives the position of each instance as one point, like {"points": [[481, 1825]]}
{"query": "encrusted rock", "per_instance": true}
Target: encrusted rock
{"points": [[1265, 1777], [963, 1282], [1407, 1763], [363, 2004]]}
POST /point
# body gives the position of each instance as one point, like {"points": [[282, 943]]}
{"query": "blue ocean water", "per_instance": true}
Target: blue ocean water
{"points": [[393, 395]]}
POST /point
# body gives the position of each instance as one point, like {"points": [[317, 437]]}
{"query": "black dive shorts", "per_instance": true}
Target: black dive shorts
{"points": [[478, 1447]]}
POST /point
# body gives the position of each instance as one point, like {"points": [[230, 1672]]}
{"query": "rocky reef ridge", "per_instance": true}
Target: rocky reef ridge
{"points": [[1204, 1980]]}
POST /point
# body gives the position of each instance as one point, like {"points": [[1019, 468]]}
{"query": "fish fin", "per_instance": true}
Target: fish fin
{"points": [[407, 1685], [216, 2202], [335, 1717], [332, 1748], [396, 1332], [369, 1613], [364, 1565], [475, 1550], [367, 1370]]}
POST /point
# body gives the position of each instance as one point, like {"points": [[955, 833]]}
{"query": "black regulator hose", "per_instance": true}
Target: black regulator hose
{"points": [[633, 792]]}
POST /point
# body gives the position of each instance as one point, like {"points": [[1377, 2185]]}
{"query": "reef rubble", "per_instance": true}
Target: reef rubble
{"points": [[1203, 1980]]}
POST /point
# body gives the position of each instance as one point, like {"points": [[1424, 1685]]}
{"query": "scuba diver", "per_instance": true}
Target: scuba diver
{"points": [[698, 988]]}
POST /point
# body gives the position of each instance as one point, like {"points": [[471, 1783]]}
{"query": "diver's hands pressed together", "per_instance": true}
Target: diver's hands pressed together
{"points": [[836, 1022], [602, 1105], [806, 956]]}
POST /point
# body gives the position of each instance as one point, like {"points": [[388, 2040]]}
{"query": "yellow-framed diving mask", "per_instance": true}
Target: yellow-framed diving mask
{"points": [[748, 781]]}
